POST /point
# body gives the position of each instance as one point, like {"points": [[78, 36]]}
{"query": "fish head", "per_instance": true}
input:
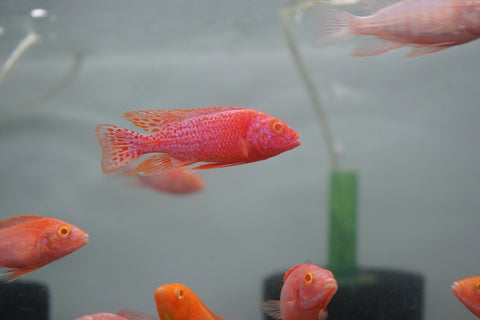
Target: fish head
{"points": [[269, 137], [61, 238], [468, 292], [315, 288], [174, 302]]}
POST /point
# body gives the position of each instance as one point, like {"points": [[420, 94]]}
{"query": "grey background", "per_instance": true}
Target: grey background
{"points": [[408, 126]]}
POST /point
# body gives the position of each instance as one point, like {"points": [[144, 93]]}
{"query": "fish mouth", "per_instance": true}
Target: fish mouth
{"points": [[84, 239], [456, 288]]}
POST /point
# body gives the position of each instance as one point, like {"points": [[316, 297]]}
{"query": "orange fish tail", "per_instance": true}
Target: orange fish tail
{"points": [[120, 146]]}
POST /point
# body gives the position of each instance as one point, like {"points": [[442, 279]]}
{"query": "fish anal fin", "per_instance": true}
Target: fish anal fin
{"points": [[375, 46], [156, 120], [159, 163], [16, 273], [419, 51], [17, 220], [217, 165], [272, 309], [135, 315]]}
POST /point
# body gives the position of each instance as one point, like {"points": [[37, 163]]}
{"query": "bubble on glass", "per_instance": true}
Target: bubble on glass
{"points": [[2, 31], [38, 13]]}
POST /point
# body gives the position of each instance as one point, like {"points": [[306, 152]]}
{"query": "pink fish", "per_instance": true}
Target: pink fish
{"points": [[426, 25], [29, 242], [468, 292], [177, 181], [220, 136], [305, 294], [121, 315]]}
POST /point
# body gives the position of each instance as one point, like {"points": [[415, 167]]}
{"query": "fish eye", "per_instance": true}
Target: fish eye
{"points": [[180, 293], [308, 278], [477, 288], [64, 231], [277, 126]]}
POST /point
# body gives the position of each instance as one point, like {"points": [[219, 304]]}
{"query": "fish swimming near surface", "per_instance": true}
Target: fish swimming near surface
{"points": [[468, 292], [177, 302], [426, 25], [218, 136], [305, 294], [180, 181], [121, 315], [28, 242]]}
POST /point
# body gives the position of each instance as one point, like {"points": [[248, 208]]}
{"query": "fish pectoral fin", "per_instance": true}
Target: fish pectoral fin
{"points": [[159, 163], [419, 51], [16, 273], [217, 165], [272, 308], [375, 46], [322, 315], [135, 315]]}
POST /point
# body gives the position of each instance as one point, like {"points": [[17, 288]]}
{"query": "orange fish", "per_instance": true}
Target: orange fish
{"points": [[121, 315], [220, 136], [29, 242], [176, 181], [177, 302], [468, 292], [305, 294], [426, 25]]}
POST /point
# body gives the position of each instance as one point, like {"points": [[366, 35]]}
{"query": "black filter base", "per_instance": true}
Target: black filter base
{"points": [[23, 301], [371, 294]]}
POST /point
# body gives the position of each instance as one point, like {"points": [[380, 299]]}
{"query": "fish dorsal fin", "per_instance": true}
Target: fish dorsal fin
{"points": [[371, 6], [290, 271], [156, 120], [135, 315], [17, 220]]}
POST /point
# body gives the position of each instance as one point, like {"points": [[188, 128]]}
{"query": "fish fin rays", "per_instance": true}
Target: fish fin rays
{"points": [[118, 146], [159, 163], [217, 165], [371, 6], [156, 120], [17, 220], [17, 273], [135, 315], [272, 309], [323, 315], [375, 46], [334, 24], [419, 51]]}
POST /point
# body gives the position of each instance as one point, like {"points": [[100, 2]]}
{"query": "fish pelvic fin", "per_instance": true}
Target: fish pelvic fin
{"points": [[17, 273], [159, 163], [334, 24], [120, 146]]}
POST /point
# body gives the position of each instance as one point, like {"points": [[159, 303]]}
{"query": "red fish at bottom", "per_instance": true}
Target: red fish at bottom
{"points": [[305, 294], [468, 292], [29, 242]]}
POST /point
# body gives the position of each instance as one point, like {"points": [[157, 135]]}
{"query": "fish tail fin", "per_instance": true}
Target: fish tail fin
{"points": [[119, 146], [334, 24]]}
